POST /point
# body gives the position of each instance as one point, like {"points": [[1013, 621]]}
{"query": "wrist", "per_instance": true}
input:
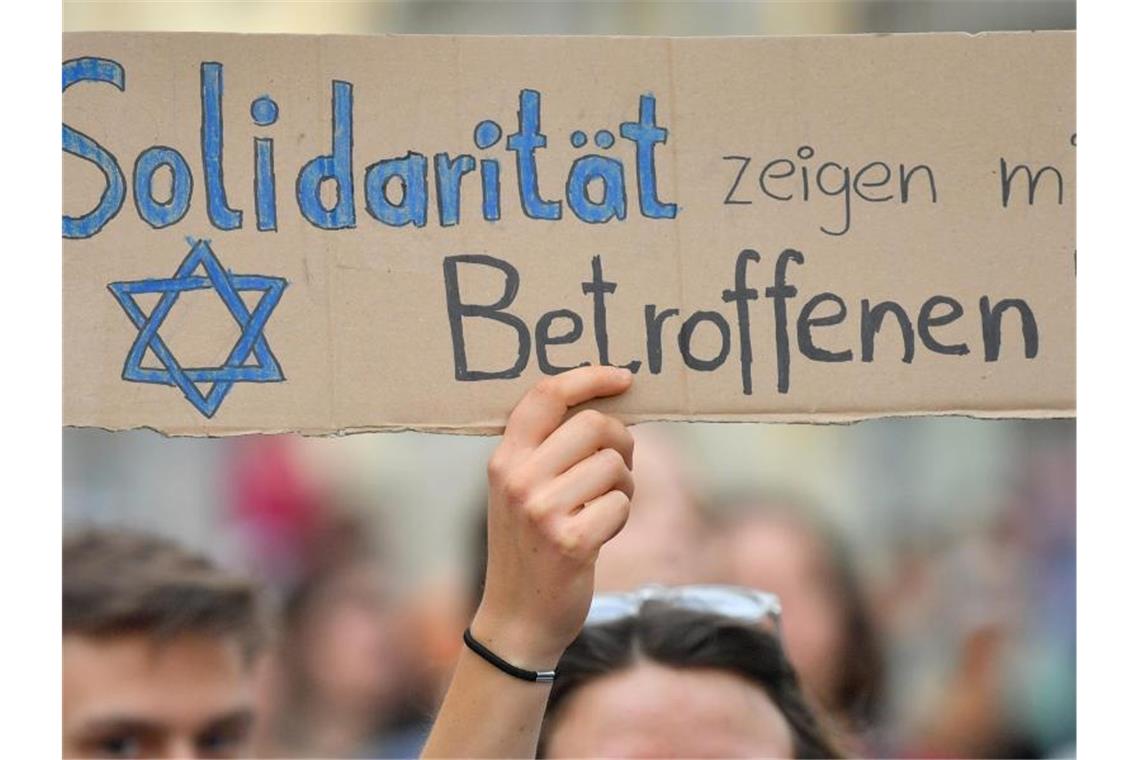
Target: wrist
{"points": [[517, 642]]}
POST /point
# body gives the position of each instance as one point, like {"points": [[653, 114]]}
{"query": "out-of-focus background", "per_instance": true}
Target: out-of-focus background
{"points": [[953, 538]]}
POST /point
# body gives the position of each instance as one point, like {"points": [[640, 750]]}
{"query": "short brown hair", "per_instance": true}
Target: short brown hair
{"points": [[118, 581]]}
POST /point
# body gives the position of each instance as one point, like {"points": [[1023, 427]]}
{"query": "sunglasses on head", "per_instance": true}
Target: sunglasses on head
{"points": [[744, 604]]}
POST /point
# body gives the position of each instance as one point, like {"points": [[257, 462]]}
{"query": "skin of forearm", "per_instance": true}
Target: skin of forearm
{"points": [[487, 713]]}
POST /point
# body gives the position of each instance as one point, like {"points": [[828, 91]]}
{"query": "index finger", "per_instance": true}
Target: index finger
{"points": [[543, 407]]}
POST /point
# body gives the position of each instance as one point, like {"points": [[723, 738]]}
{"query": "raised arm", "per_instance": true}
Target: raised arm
{"points": [[559, 489]]}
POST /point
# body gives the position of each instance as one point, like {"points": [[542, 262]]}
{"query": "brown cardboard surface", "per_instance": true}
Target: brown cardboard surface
{"points": [[361, 335]]}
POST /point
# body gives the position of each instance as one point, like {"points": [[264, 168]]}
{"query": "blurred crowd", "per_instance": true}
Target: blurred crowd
{"points": [[951, 643]]}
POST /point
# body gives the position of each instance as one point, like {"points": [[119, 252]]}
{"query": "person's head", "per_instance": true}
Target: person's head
{"points": [[159, 650], [773, 543], [673, 682], [665, 538], [342, 646]]}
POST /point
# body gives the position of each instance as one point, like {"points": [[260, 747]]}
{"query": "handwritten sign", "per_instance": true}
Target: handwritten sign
{"points": [[325, 234]]}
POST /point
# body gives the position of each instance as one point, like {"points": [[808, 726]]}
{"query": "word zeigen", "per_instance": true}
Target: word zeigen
{"points": [[784, 180], [792, 324], [595, 187]]}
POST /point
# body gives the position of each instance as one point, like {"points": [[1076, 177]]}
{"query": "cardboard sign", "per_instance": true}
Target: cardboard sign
{"points": [[323, 234]]}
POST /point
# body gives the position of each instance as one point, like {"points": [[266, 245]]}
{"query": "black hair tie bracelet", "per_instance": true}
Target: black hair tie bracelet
{"points": [[534, 676]]}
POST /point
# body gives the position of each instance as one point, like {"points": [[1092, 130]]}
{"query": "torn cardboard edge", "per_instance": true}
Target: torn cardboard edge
{"points": [[486, 428]]}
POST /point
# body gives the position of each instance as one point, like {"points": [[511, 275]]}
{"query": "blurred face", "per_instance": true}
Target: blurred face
{"points": [[127, 696], [352, 641], [780, 556], [651, 710], [663, 541]]}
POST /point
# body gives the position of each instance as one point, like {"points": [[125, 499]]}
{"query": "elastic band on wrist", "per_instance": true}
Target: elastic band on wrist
{"points": [[534, 676]]}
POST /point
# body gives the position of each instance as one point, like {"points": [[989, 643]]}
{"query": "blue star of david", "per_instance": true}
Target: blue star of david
{"points": [[227, 285]]}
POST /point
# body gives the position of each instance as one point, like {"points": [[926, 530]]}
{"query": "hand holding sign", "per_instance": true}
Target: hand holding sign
{"points": [[558, 491]]}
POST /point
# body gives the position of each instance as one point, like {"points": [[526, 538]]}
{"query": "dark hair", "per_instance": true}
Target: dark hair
{"points": [[860, 691], [119, 582], [682, 639]]}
